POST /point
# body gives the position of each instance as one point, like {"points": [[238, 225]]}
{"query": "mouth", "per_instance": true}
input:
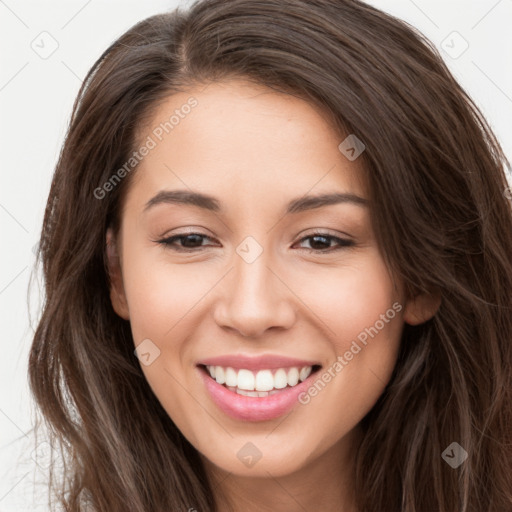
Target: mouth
{"points": [[256, 389], [261, 383]]}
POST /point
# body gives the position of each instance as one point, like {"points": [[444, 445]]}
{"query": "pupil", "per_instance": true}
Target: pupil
{"points": [[187, 239], [316, 238]]}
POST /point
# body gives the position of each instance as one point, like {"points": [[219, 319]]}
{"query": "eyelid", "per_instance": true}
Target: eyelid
{"points": [[323, 231]]}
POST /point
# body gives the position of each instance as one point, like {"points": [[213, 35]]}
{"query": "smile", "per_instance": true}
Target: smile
{"points": [[258, 384], [256, 388]]}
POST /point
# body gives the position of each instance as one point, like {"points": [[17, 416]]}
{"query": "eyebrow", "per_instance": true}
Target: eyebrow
{"points": [[207, 202]]}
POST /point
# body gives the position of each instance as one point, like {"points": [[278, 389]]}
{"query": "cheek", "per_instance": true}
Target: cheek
{"points": [[161, 295], [350, 299], [161, 300], [363, 313]]}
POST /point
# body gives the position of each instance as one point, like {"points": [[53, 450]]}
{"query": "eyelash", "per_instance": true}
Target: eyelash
{"points": [[342, 242]]}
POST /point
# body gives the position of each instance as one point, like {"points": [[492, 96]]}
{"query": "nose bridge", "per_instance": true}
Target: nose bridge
{"points": [[254, 299], [252, 276]]}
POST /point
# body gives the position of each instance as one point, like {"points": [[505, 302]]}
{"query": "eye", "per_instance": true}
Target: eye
{"points": [[192, 242], [324, 239]]}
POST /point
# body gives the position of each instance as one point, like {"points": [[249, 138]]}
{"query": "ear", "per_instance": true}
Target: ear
{"points": [[422, 307], [117, 293]]}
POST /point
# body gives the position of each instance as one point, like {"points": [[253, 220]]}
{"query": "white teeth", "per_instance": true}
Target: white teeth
{"points": [[264, 381], [246, 393], [219, 375], [304, 373], [260, 383], [245, 380], [231, 377], [293, 376], [280, 379]]}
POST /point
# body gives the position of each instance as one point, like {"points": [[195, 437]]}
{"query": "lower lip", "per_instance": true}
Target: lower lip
{"points": [[250, 408]]}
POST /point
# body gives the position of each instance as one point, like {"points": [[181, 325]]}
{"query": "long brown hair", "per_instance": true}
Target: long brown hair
{"points": [[436, 178]]}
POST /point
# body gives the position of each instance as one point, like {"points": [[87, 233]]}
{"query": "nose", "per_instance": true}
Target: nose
{"points": [[254, 298]]}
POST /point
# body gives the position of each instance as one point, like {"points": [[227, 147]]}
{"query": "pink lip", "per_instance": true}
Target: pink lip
{"points": [[249, 408], [254, 363]]}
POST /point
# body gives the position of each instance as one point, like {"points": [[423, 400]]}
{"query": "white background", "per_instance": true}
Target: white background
{"points": [[36, 97]]}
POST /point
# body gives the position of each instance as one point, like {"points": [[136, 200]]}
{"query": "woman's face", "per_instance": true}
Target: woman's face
{"points": [[253, 295]]}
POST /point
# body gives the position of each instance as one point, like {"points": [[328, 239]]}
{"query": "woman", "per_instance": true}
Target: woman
{"points": [[277, 261]]}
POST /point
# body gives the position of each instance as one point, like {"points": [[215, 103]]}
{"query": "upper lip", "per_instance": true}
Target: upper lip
{"points": [[263, 362]]}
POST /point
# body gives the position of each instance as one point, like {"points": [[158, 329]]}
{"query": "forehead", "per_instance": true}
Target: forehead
{"points": [[243, 138]]}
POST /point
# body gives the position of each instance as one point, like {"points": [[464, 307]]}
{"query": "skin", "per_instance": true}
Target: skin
{"points": [[254, 150]]}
